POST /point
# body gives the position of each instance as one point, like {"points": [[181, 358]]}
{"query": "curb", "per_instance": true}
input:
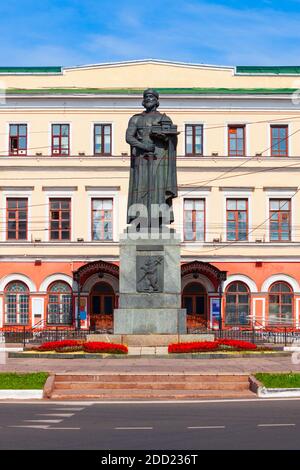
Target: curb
{"points": [[49, 386], [148, 356], [262, 392], [21, 394]]}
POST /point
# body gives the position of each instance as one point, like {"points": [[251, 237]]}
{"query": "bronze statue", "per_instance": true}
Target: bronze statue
{"points": [[153, 140]]}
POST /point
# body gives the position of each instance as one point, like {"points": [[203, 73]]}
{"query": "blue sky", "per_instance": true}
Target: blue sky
{"points": [[74, 32]]}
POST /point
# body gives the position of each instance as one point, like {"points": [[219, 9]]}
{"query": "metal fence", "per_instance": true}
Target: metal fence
{"points": [[282, 336]]}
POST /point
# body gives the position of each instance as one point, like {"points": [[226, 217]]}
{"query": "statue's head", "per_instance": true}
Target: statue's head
{"points": [[150, 101]]}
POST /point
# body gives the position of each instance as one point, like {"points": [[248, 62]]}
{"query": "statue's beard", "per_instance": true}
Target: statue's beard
{"points": [[150, 106]]}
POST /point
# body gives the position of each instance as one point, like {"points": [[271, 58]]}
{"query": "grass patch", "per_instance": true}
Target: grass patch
{"points": [[13, 381], [289, 380]]}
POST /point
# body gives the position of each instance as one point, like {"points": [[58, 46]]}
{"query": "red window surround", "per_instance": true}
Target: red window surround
{"points": [[279, 141], [17, 139], [60, 219], [237, 219], [16, 218], [280, 220], [236, 141], [60, 140], [102, 139], [194, 139]]}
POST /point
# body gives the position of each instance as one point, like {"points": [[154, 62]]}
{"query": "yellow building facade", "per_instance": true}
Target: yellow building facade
{"points": [[64, 182]]}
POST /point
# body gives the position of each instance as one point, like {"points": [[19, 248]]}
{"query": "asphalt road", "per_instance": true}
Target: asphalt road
{"points": [[257, 424]]}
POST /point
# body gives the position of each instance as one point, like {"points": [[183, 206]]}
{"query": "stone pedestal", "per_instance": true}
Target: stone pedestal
{"points": [[150, 286]]}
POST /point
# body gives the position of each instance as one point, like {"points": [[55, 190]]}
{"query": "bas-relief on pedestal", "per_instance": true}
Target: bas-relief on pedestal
{"points": [[150, 287]]}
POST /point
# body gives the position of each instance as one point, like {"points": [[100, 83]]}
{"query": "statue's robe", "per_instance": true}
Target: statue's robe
{"points": [[159, 173]]}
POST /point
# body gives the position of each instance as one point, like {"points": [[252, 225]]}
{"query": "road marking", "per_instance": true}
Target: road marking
{"points": [[42, 420], [59, 415], [206, 427], [133, 428], [275, 425], [67, 409], [30, 426], [57, 429]]}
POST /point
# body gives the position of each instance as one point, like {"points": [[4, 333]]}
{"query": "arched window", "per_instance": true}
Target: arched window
{"points": [[281, 299], [59, 309], [237, 309], [16, 303]]}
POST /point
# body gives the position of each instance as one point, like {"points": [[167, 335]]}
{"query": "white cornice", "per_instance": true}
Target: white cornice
{"points": [[149, 61]]}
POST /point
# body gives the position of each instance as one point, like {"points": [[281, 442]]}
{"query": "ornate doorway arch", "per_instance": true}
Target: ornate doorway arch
{"points": [[202, 290], [97, 290]]}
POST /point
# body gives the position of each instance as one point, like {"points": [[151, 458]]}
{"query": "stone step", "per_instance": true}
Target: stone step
{"points": [[148, 394], [158, 385], [137, 378]]}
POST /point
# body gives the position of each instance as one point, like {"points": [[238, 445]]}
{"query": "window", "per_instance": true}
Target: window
{"points": [[16, 218], [194, 139], [279, 141], [59, 308], [102, 139], [60, 139], [17, 139], [281, 303], [194, 219], [16, 304], [237, 219], [280, 220], [60, 219], [237, 304], [236, 141], [102, 214]]}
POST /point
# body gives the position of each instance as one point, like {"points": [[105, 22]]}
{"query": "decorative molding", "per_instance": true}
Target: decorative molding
{"points": [[17, 277], [59, 188], [280, 277], [279, 189], [56, 277], [237, 188], [102, 188], [245, 279], [16, 188]]}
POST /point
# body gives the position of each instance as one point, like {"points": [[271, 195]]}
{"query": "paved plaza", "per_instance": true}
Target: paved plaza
{"points": [[152, 365]]}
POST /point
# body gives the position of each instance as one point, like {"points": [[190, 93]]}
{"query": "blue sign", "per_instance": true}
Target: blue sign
{"points": [[215, 309], [83, 315]]}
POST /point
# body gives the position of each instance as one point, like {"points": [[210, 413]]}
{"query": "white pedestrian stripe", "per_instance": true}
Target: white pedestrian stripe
{"points": [[67, 409], [32, 426], [206, 427], [132, 428], [62, 429], [275, 425], [59, 415], [42, 420]]}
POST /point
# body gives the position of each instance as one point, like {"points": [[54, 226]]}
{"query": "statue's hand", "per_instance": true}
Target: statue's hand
{"points": [[149, 147]]}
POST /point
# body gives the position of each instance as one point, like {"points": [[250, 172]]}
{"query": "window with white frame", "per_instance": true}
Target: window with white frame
{"points": [[59, 304], [102, 219], [16, 303]]}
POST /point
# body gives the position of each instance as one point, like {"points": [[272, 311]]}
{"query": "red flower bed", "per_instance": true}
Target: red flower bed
{"points": [[193, 347], [237, 344], [53, 345], [110, 348], [210, 346]]}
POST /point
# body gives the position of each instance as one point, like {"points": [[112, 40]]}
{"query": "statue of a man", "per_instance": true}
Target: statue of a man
{"points": [[153, 140]]}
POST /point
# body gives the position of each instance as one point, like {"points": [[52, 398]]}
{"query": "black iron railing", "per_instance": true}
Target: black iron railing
{"points": [[269, 335]]}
